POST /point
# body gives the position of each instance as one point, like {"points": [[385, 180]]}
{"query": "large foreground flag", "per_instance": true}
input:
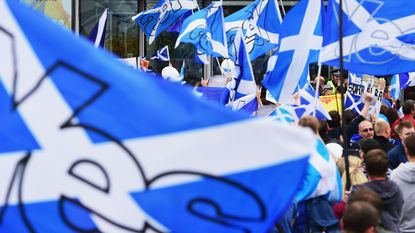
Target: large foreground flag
{"points": [[82, 151], [154, 21], [205, 30], [301, 40], [379, 36], [97, 35], [260, 22]]}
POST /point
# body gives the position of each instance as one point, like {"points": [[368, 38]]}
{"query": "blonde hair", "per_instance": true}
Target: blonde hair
{"points": [[310, 122]]}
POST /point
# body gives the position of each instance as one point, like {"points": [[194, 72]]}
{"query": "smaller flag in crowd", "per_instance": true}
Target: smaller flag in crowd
{"points": [[400, 82], [205, 30], [97, 34], [162, 54], [154, 21]]}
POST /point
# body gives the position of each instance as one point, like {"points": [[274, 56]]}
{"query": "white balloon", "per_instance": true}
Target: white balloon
{"points": [[170, 73]]}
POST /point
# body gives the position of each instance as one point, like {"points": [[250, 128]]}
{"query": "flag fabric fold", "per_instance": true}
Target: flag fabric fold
{"points": [[245, 86], [102, 154], [300, 44], [205, 30], [400, 82], [260, 23], [154, 21], [378, 36], [97, 35]]}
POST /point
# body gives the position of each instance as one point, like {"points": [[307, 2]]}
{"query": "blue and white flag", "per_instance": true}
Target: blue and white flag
{"points": [[301, 40], [205, 30], [245, 86], [154, 21], [162, 54], [177, 25], [323, 177], [82, 151], [97, 35], [260, 23], [201, 58], [400, 82], [284, 114], [379, 36], [308, 100]]}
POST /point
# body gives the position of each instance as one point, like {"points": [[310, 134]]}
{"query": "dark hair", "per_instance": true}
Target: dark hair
{"points": [[376, 162], [392, 115], [403, 124], [408, 107], [410, 145], [383, 109], [310, 122], [349, 115], [366, 195], [335, 119], [360, 216], [369, 144]]}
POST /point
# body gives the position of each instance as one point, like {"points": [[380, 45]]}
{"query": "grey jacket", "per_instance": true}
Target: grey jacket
{"points": [[404, 177]]}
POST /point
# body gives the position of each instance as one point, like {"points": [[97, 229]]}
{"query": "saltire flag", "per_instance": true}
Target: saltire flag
{"points": [[308, 99], [97, 35], [400, 82], [81, 151], [205, 30], [323, 177], [162, 54], [379, 36], [176, 26], [284, 114], [218, 95], [154, 21], [260, 23], [245, 87], [201, 57], [300, 43], [353, 101]]}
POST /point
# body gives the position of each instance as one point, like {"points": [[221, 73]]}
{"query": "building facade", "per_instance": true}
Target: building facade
{"points": [[124, 38]]}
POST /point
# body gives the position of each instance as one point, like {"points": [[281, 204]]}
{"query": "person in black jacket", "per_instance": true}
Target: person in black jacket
{"points": [[382, 135], [376, 167]]}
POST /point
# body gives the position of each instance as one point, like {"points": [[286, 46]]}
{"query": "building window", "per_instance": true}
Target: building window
{"points": [[121, 32]]}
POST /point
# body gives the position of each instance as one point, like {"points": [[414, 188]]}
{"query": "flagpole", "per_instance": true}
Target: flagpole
{"points": [[168, 53], [342, 90], [283, 9], [317, 89]]}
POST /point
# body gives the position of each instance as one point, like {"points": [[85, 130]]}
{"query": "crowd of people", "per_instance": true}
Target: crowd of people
{"points": [[381, 160]]}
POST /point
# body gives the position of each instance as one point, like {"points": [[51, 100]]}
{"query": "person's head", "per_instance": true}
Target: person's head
{"points": [[386, 93], [367, 145], [366, 129], [321, 80], [404, 130], [360, 217], [366, 195], [309, 122], [322, 129], [376, 162], [392, 115], [335, 119], [408, 107], [410, 147], [349, 115], [335, 77], [382, 129]]}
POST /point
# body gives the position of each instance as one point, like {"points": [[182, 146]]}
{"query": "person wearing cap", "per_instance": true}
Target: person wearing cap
{"points": [[336, 80]]}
